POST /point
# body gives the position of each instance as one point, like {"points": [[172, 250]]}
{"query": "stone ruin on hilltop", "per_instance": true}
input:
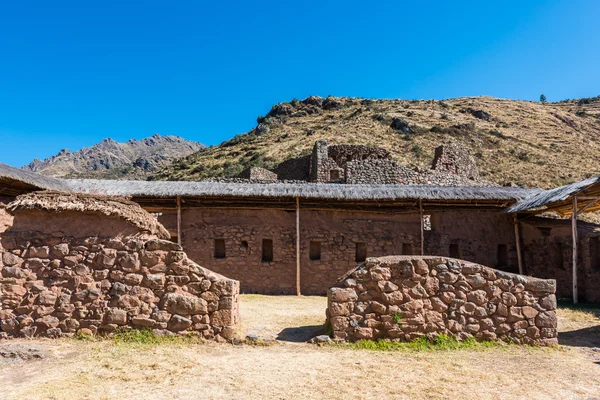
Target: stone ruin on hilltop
{"points": [[453, 165]]}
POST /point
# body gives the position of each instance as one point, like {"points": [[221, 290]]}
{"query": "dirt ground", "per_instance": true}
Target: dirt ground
{"points": [[289, 368]]}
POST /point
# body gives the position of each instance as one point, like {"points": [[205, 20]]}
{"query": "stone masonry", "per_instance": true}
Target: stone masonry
{"points": [[58, 283], [405, 297]]}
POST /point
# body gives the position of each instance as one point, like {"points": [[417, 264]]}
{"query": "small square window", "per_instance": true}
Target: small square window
{"points": [[267, 250], [334, 174], [315, 250], [219, 248], [361, 252]]}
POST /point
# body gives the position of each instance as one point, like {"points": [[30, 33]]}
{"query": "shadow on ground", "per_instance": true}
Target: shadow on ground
{"points": [[300, 333], [585, 337]]}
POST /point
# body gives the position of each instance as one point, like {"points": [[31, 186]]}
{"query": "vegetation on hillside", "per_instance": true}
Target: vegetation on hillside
{"points": [[521, 142]]}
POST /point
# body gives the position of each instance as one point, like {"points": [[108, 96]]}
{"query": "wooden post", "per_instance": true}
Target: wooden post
{"points": [[179, 220], [574, 234], [422, 227], [298, 291], [518, 243]]}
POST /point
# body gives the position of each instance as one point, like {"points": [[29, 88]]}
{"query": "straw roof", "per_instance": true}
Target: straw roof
{"points": [[165, 189], [110, 206], [302, 190], [559, 199], [21, 180]]}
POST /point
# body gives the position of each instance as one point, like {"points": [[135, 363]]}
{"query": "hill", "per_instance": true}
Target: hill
{"points": [[520, 142], [135, 159]]}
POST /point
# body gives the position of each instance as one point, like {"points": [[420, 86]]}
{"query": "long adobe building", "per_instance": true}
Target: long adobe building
{"points": [[299, 228]]}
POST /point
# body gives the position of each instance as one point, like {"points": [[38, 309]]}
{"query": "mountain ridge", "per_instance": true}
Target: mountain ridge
{"points": [[108, 159]]}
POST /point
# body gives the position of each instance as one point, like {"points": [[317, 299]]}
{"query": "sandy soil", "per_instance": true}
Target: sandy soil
{"points": [[74, 369]]}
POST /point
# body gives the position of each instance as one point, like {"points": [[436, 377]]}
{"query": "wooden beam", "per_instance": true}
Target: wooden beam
{"points": [[298, 290], [588, 205], [518, 244], [179, 220], [574, 235], [422, 228]]}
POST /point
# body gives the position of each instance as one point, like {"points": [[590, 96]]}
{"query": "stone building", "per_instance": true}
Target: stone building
{"points": [[286, 238]]}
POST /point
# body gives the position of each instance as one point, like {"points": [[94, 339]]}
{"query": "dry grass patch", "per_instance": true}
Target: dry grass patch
{"points": [[124, 368]]}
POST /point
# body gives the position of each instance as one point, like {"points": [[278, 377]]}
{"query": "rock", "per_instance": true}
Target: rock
{"points": [[541, 285], [184, 305], [342, 295], [9, 259], [179, 323], [154, 281], [546, 319], [509, 299], [548, 302], [38, 252], [321, 339], [129, 262], [115, 316]]}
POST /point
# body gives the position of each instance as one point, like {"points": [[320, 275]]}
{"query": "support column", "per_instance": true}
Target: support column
{"points": [[518, 244], [298, 291], [422, 227], [179, 220], [574, 234]]}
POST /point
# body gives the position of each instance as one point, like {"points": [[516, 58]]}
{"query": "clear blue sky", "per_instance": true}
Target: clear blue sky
{"points": [[72, 73]]}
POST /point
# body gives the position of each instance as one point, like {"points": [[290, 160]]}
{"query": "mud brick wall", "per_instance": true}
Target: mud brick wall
{"points": [[56, 283], [337, 232], [403, 298]]}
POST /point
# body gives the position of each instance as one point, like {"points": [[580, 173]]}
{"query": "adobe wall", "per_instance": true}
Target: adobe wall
{"points": [[73, 223], [548, 253], [477, 234], [68, 272], [403, 298], [338, 232], [6, 219]]}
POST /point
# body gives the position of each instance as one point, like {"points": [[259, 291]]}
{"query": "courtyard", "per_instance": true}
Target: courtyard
{"points": [[280, 365]]}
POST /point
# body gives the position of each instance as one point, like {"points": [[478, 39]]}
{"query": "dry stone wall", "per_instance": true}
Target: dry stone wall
{"points": [[55, 286], [259, 174], [403, 298]]}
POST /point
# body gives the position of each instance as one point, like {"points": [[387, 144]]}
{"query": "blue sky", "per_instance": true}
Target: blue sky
{"points": [[72, 73]]}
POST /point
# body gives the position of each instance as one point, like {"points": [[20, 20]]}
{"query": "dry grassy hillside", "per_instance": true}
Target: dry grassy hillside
{"points": [[527, 143]]}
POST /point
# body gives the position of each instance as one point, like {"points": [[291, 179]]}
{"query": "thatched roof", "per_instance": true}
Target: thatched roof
{"points": [[96, 204], [302, 190], [166, 189], [20, 180], [559, 199]]}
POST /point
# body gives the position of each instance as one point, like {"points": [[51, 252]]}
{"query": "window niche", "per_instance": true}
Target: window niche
{"points": [[455, 250], [361, 252], [502, 256], [267, 250], [220, 248], [407, 249], [315, 250]]}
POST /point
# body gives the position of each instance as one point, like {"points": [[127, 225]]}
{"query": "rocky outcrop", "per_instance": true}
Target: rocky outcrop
{"points": [[110, 159], [405, 297]]}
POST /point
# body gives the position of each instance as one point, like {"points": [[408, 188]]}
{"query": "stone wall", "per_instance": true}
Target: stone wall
{"points": [[55, 286], [294, 169], [63, 272], [374, 171], [343, 153], [403, 298], [456, 159], [256, 173]]}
